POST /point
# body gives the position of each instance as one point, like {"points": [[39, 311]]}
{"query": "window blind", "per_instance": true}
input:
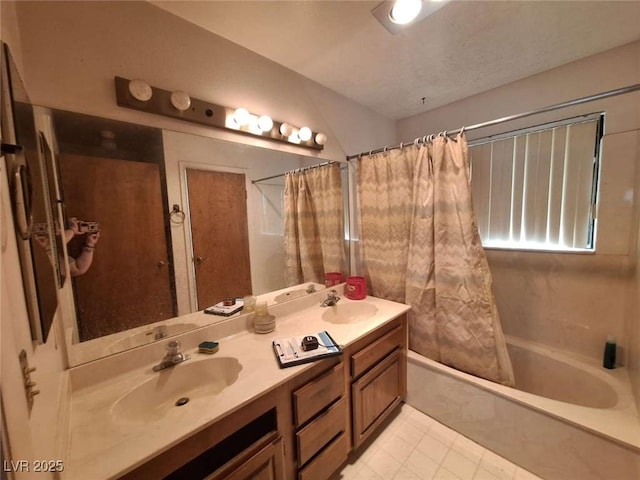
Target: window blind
{"points": [[536, 188]]}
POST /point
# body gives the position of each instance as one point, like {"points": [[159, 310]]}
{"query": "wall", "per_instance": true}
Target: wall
{"points": [[30, 434], [633, 313], [68, 54], [565, 300], [73, 50]]}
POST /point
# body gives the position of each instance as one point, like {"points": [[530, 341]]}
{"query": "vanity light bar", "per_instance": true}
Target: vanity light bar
{"points": [[163, 102]]}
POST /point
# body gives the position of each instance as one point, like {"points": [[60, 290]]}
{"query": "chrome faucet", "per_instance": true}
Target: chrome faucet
{"points": [[159, 332], [173, 357], [331, 300]]}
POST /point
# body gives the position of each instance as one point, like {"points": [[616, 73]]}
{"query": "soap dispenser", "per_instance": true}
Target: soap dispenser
{"points": [[609, 360]]}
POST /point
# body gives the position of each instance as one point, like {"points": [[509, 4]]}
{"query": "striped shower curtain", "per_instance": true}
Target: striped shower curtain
{"points": [[420, 245], [313, 224]]}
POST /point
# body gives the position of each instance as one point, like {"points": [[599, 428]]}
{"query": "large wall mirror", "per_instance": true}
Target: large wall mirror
{"points": [[160, 224]]}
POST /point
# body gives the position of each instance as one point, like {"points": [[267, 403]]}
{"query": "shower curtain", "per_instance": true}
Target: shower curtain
{"points": [[420, 245], [313, 224]]}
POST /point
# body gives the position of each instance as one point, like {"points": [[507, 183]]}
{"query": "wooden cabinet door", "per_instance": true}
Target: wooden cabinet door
{"points": [[376, 394], [127, 285], [267, 464], [220, 235]]}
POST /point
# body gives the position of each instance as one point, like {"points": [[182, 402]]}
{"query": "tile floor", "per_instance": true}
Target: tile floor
{"points": [[413, 446]]}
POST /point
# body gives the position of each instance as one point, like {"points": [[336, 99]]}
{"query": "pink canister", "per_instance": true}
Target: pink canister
{"points": [[333, 278], [355, 288]]}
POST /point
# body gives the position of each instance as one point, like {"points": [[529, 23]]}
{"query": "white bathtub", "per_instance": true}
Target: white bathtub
{"points": [[568, 418]]}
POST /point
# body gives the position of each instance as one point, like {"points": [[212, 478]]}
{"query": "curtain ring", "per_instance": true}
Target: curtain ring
{"points": [[424, 139], [384, 150], [401, 145], [416, 142], [462, 131], [370, 152]]}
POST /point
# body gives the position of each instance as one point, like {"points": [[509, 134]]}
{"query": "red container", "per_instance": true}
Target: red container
{"points": [[333, 278], [355, 288]]}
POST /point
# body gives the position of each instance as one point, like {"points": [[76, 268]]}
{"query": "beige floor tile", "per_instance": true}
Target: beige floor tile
{"points": [[459, 465], [433, 448]]}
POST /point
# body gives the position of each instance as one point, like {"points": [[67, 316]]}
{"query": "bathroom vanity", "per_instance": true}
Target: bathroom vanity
{"points": [[244, 417]]}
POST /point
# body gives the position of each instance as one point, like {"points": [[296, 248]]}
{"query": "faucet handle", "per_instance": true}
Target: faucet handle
{"points": [[173, 347]]}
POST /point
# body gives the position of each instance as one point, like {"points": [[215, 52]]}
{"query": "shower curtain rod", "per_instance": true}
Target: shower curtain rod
{"points": [[570, 103], [301, 169]]}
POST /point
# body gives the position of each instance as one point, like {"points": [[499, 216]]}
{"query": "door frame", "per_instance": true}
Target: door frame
{"points": [[188, 240]]}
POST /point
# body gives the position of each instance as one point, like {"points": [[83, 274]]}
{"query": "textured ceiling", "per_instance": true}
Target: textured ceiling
{"points": [[464, 48]]}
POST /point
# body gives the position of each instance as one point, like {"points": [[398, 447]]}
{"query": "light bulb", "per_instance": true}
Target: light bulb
{"points": [[305, 134], [241, 116], [180, 100], [140, 90], [286, 130], [404, 11], [321, 139], [265, 123]]}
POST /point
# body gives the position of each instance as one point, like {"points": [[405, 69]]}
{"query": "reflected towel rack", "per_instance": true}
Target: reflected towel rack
{"points": [[558, 106]]}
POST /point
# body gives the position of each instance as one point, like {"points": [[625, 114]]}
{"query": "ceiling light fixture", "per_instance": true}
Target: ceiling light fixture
{"points": [[394, 15], [405, 11]]}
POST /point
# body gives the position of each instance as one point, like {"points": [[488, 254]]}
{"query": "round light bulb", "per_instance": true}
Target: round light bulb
{"points": [[404, 11], [286, 129], [180, 100], [305, 134], [265, 123], [140, 90], [241, 116], [321, 139]]}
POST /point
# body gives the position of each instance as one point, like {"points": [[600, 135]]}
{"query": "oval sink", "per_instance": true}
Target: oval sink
{"points": [[349, 312], [169, 388], [290, 295], [142, 338]]}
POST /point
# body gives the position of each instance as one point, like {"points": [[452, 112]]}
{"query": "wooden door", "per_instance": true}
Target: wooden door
{"points": [[128, 283], [220, 235]]}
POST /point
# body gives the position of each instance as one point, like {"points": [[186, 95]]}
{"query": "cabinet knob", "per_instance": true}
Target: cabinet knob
{"points": [[200, 260]]}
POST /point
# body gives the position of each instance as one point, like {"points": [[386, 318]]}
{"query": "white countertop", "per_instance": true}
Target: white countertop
{"points": [[102, 448]]}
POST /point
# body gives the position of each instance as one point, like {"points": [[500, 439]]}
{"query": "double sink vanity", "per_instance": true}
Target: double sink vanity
{"points": [[236, 414]]}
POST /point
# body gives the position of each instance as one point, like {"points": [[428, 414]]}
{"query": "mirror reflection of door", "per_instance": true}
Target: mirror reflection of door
{"points": [[219, 233], [128, 283]]}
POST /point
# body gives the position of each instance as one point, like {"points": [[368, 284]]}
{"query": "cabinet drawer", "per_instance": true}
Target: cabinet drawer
{"points": [[318, 394], [328, 461], [320, 431], [373, 353], [375, 395]]}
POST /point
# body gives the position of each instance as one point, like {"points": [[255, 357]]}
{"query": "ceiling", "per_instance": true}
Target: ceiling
{"points": [[464, 48]]}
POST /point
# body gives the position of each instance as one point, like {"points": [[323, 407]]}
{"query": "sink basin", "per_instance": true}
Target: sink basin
{"points": [[349, 312], [192, 380], [142, 338], [290, 295]]}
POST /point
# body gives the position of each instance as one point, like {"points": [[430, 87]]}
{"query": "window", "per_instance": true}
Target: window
{"points": [[535, 189]]}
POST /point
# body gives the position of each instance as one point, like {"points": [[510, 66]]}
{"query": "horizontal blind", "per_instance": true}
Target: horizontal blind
{"points": [[534, 189]]}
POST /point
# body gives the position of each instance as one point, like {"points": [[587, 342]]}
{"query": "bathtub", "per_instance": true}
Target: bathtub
{"points": [[567, 418]]}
